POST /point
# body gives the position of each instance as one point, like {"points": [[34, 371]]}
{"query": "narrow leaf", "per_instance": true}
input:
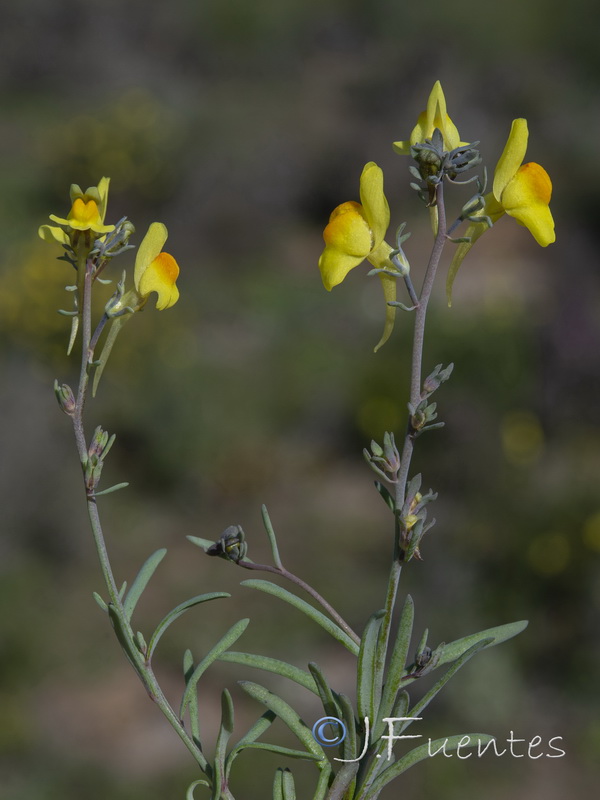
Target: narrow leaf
{"points": [[188, 671], [271, 534], [366, 701], [189, 795], [452, 651], [259, 727], [282, 751], [426, 751], [112, 489], [141, 581], [232, 635], [176, 613], [100, 601], [311, 612], [204, 544], [225, 731], [428, 697], [272, 665], [287, 785], [397, 664], [329, 705], [287, 715]]}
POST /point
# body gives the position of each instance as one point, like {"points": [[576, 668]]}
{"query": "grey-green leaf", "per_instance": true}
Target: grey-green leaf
{"points": [[225, 732], [272, 665], [366, 701], [397, 664], [421, 753], [453, 650], [141, 581], [287, 715], [311, 612], [232, 635], [176, 613]]}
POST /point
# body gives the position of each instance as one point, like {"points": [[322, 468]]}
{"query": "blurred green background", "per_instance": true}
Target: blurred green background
{"points": [[241, 125]]}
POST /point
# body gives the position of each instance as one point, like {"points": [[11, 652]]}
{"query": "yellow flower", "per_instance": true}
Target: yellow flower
{"points": [[434, 116], [522, 191], [87, 213], [356, 232], [156, 271]]}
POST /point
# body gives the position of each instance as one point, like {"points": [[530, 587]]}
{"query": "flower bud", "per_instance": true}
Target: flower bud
{"points": [[65, 397]]}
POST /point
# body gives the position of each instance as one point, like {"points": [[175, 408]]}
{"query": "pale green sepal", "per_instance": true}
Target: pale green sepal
{"points": [[511, 158]]}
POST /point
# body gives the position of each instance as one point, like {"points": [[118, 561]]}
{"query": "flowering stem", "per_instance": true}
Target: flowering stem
{"points": [[415, 396], [307, 588], [120, 620]]}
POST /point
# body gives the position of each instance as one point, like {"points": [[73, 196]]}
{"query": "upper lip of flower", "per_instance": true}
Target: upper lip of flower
{"points": [[156, 271], [524, 190], [434, 116], [355, 231], [88, 209]]}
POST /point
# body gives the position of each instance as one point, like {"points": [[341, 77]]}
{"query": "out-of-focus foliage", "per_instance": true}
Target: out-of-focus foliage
{"points": [[241, 125]]}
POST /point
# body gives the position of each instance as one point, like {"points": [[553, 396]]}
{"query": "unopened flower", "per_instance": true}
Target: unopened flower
{"points": [[356, 232], [522, 191], [434, 116], [88, 210]]}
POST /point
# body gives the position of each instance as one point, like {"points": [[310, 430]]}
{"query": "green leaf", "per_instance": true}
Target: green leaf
{"points": [[278, 784], [100, 601], [272, 665], [323, 783], [287, 785], [176, 613], [342, 784], [367, 702], [378, 756], [349, 747], [141, 581], [420, 754], [188, 671], [271, 534], [189, 795], [259, 727], [225, 731], [232, 635], [311, 612], [452, 651], [282, 751], [428, 697], [287, 715], [329, 705], [387, 497], [397, 665], [111, 489]]}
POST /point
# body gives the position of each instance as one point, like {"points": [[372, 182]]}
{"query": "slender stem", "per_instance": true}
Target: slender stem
{"points": [[284, 573], [408, 447], [144, 670]]}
